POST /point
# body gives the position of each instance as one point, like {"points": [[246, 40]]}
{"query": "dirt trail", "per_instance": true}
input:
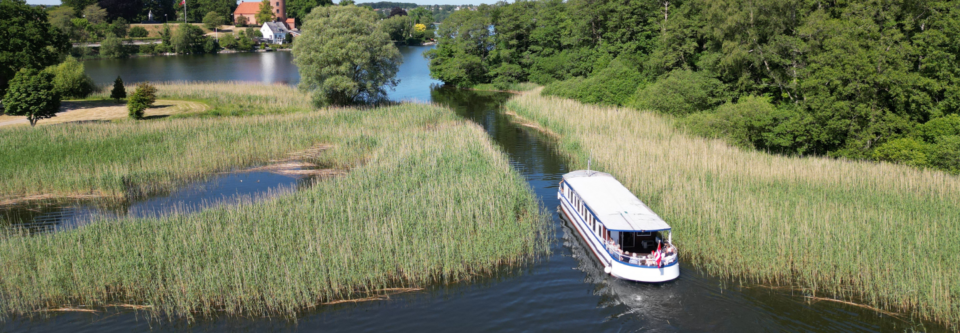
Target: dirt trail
{"points": [[101, 111]]}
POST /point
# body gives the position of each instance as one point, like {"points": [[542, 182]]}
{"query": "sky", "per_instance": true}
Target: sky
{"points": [[420, 2]]}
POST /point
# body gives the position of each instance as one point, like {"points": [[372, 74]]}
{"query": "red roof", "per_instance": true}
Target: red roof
{"points": [[291, 22], [248, 8]]}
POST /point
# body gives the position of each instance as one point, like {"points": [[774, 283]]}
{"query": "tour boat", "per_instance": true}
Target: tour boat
{"points": [[621, 231]]}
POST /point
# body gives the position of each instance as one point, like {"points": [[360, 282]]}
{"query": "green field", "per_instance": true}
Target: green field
{"points": [[427, 199], [884, 235]]}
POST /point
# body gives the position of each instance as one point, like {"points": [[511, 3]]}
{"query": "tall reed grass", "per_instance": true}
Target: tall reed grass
{"points": [[432, 201], [881, 234]]}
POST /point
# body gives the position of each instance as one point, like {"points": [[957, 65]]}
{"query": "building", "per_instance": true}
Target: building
{"points": [[274, 32], [251, 8]]}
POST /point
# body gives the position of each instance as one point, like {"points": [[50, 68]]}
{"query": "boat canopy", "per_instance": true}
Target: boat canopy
{"points": [[613, 204]]}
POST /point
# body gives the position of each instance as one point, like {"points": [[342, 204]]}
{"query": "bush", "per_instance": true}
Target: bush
{"points": [[142, 98], [210, 45], [138, 32], [946, 153], [938, 127], [742, 124], [70, 80], [32, 94], [680, 92], [241, 21], [147, 49], [112, 47], [228, 41], [120, 27], [904, 150], [612, 85]]}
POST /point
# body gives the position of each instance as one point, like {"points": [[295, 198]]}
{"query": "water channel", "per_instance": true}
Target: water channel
{"points": [[566, 291]]}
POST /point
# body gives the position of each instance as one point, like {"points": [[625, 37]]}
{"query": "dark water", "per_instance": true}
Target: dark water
{"points": [[566, 291]]}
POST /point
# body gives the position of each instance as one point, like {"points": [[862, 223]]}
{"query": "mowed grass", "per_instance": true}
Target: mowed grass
{"points": [[880, 234], [230, 98], [428, 199]]}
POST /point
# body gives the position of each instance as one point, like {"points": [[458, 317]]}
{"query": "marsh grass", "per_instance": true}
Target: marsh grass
{"points": [[510, 87], [880, 234], [232, 98], [428, 199]]}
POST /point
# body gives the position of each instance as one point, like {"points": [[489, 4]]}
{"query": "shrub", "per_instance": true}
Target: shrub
{"points": [[118, 92], [32, 94], [743, 123], [138, 32], [112, 47], [904, 150], [210, 45], [228, 41], [943, 126], [120, 27], [241, 21], [147, 49], [680, 92], [142, 98], [946, 153], [70, 80], [612, 85]]}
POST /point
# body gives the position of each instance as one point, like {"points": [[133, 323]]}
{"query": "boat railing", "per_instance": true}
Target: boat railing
{"points": [[667, 259]]}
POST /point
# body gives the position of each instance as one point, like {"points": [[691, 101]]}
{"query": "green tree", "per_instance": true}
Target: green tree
{"points": [[29, 41], [112, 47], [244, 43], [143, 97], [70, 80], [118, 92], [94, 14], [266, 12], [62, 18], [344, 58], [165, 35], [213, 20], [32, 94], [228, 41], [77, 5], [188, 39], [119, 27], [462, 55], [399, 28], [241, 21], [421, 15], [346, 2], [299, 9]]}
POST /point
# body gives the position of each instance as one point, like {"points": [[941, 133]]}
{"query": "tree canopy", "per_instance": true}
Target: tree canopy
{"points": [[32, 94], [841, 78], [266, 12], [343, 56], [28, 41]]}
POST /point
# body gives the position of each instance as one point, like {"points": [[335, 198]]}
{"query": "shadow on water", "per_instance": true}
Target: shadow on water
{"points": [[566, 291]]}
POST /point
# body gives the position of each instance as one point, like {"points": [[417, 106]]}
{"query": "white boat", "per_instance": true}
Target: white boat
{"points": [[621, 231]]}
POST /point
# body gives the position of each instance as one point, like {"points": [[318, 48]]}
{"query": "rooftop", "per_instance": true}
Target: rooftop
{"points": [[250, 8], [614, 205]]}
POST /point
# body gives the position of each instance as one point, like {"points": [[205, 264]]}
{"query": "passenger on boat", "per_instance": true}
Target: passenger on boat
{"points": [[634, 259]]}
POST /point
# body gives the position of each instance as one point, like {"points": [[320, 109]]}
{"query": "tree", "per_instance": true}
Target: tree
{"points": [[244, 43], [94, 14], [62, 18], [120, 27], [241, 21], [346, 2], [112, 47], [28, 41], [77, 5], [299, 9], [421, 15], [266, 12], [344, 58], [165, 35], [399, 28], [397, 11], [125, 9], [462, 56], [70, 80], [142, 98], [212, 20], [188, 39], [228, 41], [32, 94], [118, 92]]}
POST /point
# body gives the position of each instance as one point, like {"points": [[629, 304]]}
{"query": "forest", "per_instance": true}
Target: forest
{"points": [[875, 80]]}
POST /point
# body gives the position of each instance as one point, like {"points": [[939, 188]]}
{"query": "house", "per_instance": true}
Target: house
{"points": [[251, 8], [274, 32]]}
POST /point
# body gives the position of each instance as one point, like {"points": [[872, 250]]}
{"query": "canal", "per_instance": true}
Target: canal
{"points": [[566, 291]]}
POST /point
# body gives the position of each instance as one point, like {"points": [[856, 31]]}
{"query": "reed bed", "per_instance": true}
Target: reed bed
{"points": [[428, 199], [881, 234]]}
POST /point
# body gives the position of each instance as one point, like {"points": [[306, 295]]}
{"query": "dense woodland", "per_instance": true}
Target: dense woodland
{"points": [[855, 79]]}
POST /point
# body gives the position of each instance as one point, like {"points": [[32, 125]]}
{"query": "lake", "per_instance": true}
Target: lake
{"points": [[566, 291]]}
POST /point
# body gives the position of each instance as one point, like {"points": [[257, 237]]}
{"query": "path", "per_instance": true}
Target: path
{"points": [[92, 111]]}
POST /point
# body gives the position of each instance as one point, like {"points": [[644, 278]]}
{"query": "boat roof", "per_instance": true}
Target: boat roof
{"points": [[616, 207]]}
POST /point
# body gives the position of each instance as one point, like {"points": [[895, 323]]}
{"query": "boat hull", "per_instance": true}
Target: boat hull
{"points": [[611, 266]]}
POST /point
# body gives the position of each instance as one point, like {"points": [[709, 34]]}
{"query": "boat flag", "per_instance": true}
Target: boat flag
{"points": [[659, 256]]}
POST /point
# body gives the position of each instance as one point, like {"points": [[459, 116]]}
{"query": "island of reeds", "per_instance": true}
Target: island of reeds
{"points": [[424, 198], [884, 235]]}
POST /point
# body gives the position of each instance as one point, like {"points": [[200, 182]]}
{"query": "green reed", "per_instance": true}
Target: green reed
{"points": [[881, 234], [427, 199]]}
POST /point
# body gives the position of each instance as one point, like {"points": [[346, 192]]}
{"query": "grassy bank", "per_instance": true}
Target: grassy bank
{"points": [[231, 98], [509, 87], [880, 234], [428, 199], [143, 156]]}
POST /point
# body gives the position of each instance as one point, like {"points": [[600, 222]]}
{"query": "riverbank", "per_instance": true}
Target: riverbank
{"points": [[883, 235], [427, 199]]}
